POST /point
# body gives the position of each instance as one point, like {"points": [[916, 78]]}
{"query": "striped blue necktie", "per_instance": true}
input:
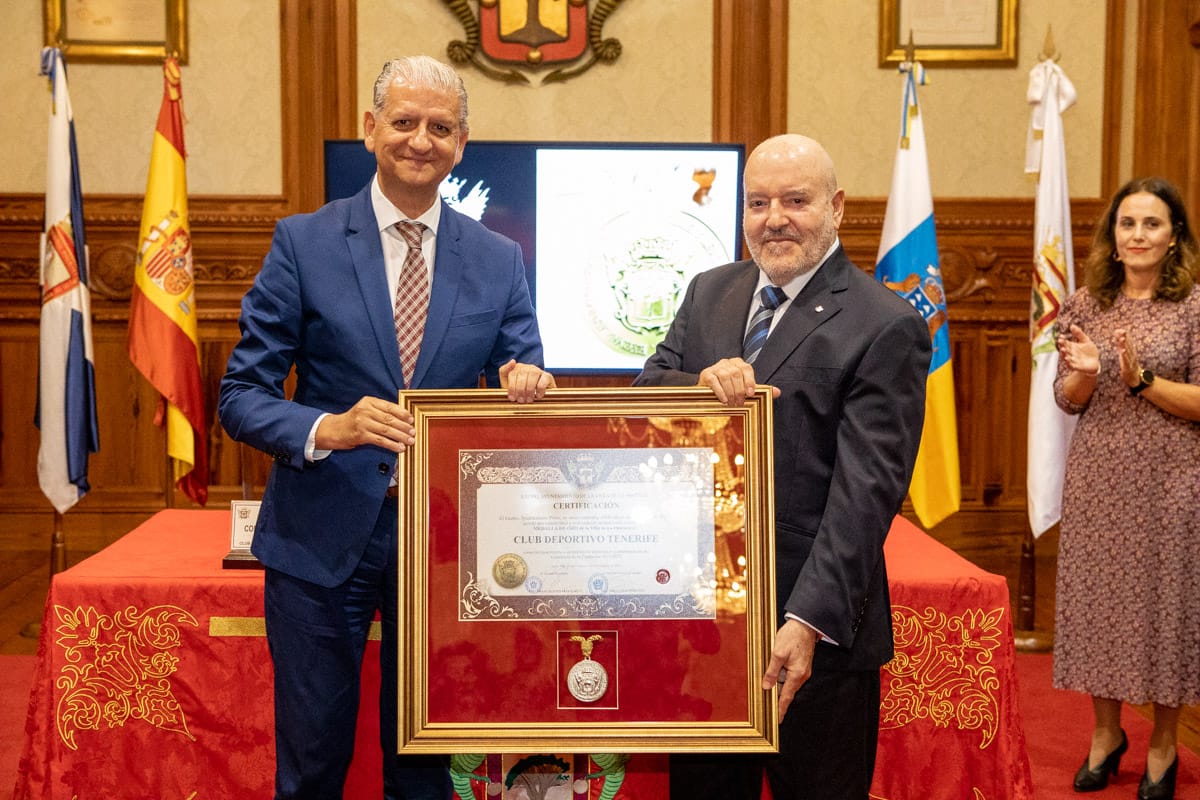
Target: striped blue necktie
{"points": [[769, 299]]}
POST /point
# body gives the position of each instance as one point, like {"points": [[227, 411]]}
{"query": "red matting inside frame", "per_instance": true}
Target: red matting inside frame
{"points": [[514, 671]]}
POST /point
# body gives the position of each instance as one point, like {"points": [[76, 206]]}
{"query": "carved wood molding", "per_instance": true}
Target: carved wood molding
{"points": [[985, 245], [230, 234]]}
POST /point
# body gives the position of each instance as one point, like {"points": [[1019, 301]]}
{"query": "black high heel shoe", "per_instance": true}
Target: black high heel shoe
{"points": [[1093, 780], [1161, 789]]}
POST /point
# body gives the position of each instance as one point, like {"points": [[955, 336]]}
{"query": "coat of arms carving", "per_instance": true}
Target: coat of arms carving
{"points": [[506, 39]]}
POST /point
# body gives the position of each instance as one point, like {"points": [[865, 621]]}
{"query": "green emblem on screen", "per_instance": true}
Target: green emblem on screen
{"points": [[642, 291]]}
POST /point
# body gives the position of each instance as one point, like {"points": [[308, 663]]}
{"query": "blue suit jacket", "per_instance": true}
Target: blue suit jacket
{"points": [[321, 303]]}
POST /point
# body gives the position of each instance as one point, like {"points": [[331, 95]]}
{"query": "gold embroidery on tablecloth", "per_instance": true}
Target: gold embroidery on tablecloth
{"points": [[943, 670], [976, 794], [118, 668]]}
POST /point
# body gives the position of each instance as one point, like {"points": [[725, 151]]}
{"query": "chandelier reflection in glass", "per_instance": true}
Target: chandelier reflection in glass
{"points": [[727, 563]]}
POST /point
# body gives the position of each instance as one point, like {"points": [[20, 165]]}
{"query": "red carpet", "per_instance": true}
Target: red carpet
{"points": [[1057, 726], [16, 676]]}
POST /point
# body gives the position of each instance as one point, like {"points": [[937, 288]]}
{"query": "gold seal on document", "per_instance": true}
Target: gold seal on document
{"points": [[510, 570], [587, 681]]}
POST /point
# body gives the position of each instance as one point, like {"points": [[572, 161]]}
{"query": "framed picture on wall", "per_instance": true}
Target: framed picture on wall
{"points": [[120, 31], [966, 33]]}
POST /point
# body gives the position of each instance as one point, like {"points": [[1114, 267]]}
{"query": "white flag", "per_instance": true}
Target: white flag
{"points": [[1050, 428], [66, 412]]}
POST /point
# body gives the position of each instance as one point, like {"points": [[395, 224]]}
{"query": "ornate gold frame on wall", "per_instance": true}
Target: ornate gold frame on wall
{"points": [[1001, 51], [120, 44]]}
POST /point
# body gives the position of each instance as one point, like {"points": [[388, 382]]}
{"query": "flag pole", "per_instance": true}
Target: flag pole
{"points": [[1026, 637], [58, 546], [58, 563], [908, 264], [169, 467], [66, 405], [164, 342]]}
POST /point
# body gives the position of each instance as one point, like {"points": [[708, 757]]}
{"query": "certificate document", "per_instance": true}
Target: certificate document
{"points": [[586, 534]]}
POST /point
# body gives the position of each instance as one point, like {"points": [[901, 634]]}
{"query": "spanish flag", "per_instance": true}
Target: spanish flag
{"points": [[163, 340], [908, 264]]}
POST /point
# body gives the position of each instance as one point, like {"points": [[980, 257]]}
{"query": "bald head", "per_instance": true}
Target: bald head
{"points": [[794, 151], [793, 206]]}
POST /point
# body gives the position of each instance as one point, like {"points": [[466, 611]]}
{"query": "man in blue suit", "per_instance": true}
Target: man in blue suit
{"points": [[332, 301]]}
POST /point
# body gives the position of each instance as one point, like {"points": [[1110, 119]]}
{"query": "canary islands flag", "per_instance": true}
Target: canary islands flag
{"points": [[163, 341], [1050, 428], [66, 408], [908, 264]]}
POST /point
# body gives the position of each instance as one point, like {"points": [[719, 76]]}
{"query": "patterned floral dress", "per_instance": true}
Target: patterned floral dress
{"points": [[1127, 615]]}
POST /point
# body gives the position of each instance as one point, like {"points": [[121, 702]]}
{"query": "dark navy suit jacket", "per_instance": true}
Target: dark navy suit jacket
{"points": [[851, 360], [321, 303]]}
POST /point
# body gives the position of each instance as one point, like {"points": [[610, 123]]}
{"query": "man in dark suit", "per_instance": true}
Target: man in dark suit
{"points": [[346, 296], [848, 361]]}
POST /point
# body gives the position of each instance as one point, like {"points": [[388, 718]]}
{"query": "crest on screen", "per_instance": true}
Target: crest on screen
{"points": [[517, 41]]}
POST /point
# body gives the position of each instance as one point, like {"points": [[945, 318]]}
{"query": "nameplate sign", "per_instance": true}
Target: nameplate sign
{"points": [[241, 535]]}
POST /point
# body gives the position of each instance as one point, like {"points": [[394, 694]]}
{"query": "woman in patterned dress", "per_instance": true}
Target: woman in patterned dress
{"points": [[1127, 620]]}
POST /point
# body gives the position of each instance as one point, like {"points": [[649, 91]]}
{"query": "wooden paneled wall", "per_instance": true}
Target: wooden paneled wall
{"points": [[985, 248]]}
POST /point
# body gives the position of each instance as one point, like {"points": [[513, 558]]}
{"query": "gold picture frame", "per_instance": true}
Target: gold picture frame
{"points": [[669, 658], [117, 31], [978, 33]]}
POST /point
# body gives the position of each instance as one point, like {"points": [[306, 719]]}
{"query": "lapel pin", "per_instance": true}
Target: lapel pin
{"points": [[819, 309]]}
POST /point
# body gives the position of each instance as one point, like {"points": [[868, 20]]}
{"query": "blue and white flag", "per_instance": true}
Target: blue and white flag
{"points": [[66, 410], [908, 264], [1050, 428]]}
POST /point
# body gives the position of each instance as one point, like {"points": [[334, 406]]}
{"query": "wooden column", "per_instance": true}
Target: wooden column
{"points": [[1167, 103], [750, 50], [1114, 76], [319, 92]]}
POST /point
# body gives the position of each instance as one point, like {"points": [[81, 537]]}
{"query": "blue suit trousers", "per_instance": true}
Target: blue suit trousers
{"points": [[317, 637]]}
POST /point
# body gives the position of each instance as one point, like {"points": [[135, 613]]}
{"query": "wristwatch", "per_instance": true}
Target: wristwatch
{"points": [[1145, 378]]}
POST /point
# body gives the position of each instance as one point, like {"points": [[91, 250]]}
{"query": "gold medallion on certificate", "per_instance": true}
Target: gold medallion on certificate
{"points": [[510, 570]]}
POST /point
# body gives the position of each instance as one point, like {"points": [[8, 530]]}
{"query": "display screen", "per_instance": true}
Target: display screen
{"points": [[611, 233]]}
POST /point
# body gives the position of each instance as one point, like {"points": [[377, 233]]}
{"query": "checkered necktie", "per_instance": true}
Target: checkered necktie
{"points": [[412, 299], [769, 299]]}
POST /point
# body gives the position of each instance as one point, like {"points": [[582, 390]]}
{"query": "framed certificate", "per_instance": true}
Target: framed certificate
{"points": [[119, 31], [965, 33], [591, 572]]}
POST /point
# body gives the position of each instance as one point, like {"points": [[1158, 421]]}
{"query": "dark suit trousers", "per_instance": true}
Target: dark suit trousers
{"points": [[827, 745], [317, 637]]}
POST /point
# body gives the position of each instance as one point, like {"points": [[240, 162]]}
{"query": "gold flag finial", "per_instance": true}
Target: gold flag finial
{"points": [[910, 50], [1049, 53]]}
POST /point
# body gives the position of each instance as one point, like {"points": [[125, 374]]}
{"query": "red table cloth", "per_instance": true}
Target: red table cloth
{"points": [[153, 680]]}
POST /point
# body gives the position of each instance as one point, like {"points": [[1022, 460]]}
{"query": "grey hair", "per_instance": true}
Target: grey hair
{"points": [[425, 72]]}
